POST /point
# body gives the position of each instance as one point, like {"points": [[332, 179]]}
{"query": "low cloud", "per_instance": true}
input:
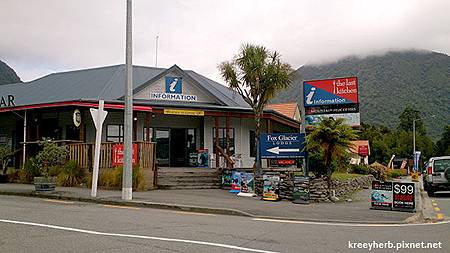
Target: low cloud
{"points": [[39, 37]]}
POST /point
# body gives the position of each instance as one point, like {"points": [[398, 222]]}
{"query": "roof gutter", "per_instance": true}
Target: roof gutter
{"points": [[90, 103]]}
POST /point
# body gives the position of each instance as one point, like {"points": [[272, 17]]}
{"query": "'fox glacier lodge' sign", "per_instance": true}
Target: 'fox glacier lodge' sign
{"points": [[7, 101]]}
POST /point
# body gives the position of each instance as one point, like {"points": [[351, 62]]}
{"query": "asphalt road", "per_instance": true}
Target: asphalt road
{"points": [[40, 225], [441, 202]]}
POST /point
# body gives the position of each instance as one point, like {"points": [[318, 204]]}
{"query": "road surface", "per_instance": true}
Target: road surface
{"points": [[43, 225]]}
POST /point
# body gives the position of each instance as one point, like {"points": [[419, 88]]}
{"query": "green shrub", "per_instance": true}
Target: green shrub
{"points": [[50, 155], [395, 173], [13, 175], [112, 178], [71, 174], [54, 170], [360, 169], [31, 170], [5, 154]]}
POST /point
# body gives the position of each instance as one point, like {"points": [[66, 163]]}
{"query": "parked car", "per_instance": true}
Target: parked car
{"points": [[437, 177]]}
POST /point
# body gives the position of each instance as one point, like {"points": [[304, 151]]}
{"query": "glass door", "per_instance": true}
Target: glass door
{"points": [[162, 146]]}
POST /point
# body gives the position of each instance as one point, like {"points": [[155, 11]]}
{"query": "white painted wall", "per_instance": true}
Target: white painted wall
{"points": [[242, 127], [188, 88]]}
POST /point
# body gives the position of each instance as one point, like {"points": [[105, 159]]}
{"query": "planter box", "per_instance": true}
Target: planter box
{"points": [[3, 179], [44, 183]]}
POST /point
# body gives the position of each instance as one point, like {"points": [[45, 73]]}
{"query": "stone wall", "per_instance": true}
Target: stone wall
{"points": [[319, 191], [318, 186]]}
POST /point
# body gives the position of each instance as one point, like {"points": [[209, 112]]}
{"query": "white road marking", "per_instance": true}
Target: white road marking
{"points": [[193, 213], [122, 207], [135, 236], [349, 224], [58, 201]]}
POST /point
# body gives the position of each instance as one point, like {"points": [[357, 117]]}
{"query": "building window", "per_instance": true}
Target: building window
{"points": [[152, 138], [252, 142], [114, 133], [223, 139]]}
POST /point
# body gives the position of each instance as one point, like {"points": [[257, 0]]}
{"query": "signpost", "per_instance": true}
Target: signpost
{"points": [[363, 150], [98, 116], [282, 145], [335, 98]]}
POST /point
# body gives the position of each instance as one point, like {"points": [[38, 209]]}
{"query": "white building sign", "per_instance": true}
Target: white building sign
{"points": [[172, 96]]}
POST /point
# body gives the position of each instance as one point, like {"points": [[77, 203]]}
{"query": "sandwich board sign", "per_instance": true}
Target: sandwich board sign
{"points": [[247, 185], [282, 145], [381, 197], [235, 182], [403, 198], [271, 187], [301, 189]]}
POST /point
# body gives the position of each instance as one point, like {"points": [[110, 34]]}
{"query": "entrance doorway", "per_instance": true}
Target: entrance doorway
{"points": [[175, 146], [178, 147]]}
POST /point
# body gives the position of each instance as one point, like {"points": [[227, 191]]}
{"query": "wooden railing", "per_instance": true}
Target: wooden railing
{"points": [[83, 153], [229, 162]]}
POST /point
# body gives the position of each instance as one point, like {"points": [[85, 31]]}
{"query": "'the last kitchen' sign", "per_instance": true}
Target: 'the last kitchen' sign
{"points": [[7, 101]]}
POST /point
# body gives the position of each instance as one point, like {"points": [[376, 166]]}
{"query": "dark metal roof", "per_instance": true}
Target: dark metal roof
{"points": [[98, 83], [108, 83]]}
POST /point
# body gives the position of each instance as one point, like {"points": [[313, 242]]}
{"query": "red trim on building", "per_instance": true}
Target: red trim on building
{"points": [[75, 103]]}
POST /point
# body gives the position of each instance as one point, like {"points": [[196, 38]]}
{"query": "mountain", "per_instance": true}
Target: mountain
{"points": [[387, 84], [7, 74]]}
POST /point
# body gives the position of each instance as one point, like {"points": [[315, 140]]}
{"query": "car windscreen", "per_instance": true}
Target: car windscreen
{"points": [[441, 165]]}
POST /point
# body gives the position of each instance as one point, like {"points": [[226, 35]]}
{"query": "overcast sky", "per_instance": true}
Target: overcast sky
{"points": [[39, 37]]}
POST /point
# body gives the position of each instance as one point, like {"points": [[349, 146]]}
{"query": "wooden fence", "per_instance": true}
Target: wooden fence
{"points": [[83, 153]]}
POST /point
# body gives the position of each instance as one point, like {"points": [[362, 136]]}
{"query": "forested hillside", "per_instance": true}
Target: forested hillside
{"points": [[389, 83], [7, 74]]}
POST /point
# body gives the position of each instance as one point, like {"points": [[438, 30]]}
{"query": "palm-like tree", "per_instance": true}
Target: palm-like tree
{"points": [[256, 74], [331, 137]]}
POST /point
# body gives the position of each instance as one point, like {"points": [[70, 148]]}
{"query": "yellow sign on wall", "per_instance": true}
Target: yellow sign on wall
{"points": [[184, 112]]}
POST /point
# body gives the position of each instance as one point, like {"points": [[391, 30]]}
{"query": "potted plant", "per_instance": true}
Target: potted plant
{"points": [[5, 153], [50, 155]]}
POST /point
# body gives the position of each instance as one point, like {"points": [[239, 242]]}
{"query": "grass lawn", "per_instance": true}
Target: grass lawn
{"points": [[344, 176]]}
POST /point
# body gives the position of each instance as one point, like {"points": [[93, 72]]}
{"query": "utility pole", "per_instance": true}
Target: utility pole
{"points": [[414, 137], [127, 192], [156, 53]]}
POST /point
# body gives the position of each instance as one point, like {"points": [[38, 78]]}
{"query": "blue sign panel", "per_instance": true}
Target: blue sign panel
{"points": [[173, 85], [282, 145]]}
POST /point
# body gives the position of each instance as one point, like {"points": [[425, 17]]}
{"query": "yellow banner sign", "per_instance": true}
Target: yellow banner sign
{"points": [[184, 112]]}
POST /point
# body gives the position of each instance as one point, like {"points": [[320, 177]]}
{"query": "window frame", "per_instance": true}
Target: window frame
{"points": [[120, 137], [224, 139]]}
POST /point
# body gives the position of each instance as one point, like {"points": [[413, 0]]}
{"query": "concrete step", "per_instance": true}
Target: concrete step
{"points": [[180, 187], [188, 178]]}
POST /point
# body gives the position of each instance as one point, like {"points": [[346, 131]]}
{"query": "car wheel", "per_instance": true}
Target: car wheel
{"points": [[430, 192], [447, 174]]}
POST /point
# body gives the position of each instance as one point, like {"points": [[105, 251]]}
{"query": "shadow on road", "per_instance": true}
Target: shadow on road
{"points": [[439, 195]]}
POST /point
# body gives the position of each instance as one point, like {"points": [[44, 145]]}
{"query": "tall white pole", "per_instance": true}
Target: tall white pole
{"points": [[24, 158], [98, 116], [414, 137], [127, 192], [156, 53]]}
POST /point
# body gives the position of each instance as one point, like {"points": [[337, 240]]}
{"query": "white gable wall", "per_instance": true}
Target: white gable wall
{"points": [[187, 89]]}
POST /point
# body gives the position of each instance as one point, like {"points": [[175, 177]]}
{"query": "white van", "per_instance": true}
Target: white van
{"points": [[438, 175]]}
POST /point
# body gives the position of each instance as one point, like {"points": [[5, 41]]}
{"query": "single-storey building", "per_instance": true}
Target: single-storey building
{"points": [[185, 113]]}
